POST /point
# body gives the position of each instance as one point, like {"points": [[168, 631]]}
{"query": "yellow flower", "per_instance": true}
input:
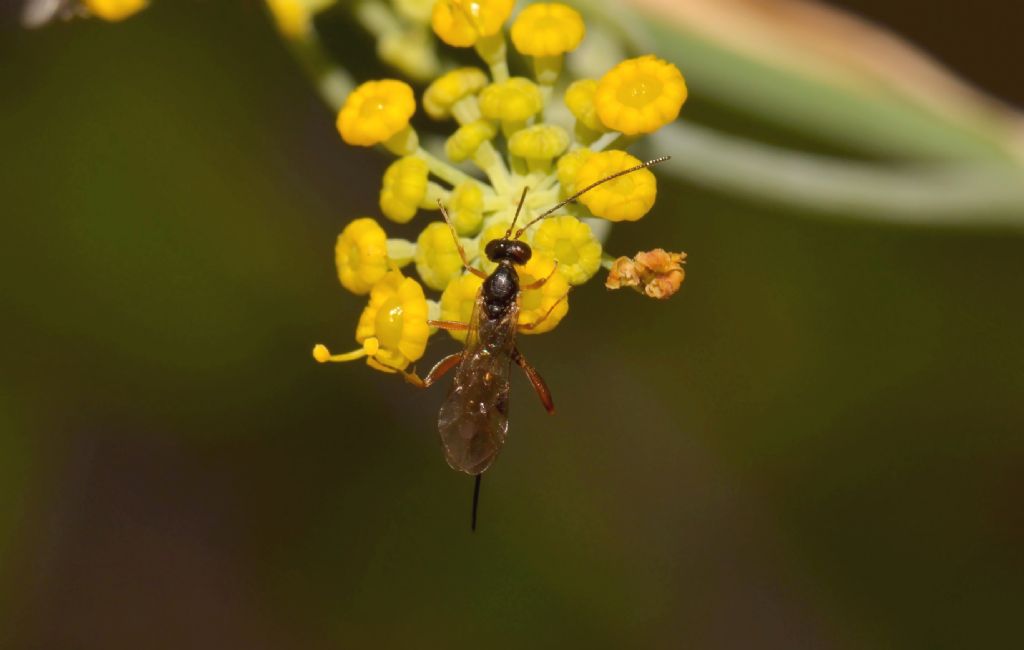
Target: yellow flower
{"points": [[461, 23], [546, 305], [392, 329], [568, 167], [579, 98], [437, 256], [640, 95], [571, 242], [466, 208], [376, 111], [115, 10], [627, 198], [458, 301], [446, 90], [404, 188], [462, 144], [515, 100], [540, 141], [361, 255], [547, 30]]}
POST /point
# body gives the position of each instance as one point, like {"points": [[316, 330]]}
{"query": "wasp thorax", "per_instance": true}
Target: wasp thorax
{"points": [[501, 285], [513, 250]]}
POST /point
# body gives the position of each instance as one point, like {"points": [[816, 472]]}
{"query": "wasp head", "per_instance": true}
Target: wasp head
{"points": [[513, 250]]}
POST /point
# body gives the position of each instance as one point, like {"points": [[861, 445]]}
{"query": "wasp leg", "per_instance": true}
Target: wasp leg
{"points": [[450, 325], [540, 283], [536, 323], [543, 392], [440, 369], [462, 252]]}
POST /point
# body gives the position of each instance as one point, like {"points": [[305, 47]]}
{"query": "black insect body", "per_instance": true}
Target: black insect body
{"points": [[473, 421]]}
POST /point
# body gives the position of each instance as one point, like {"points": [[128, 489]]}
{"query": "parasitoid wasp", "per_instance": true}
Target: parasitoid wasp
{"points": [[473, 421]]}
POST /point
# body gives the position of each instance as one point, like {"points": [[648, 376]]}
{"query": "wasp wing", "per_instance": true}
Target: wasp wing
{"points": [[473, 421]]}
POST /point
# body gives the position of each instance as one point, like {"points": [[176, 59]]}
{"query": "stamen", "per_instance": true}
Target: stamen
{"points": [[323, 355]]}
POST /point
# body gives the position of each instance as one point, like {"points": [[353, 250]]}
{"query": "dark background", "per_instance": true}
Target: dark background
{"points": [[816, 444]]}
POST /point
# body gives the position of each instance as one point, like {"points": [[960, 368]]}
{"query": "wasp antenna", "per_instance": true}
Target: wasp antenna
{"points": [[572, 199], [448, 220], [476, 501], [519, 209]]}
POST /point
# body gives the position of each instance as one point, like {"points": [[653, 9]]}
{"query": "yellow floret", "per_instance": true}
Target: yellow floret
{"points": [[466, 208], [515, 100], [376, 111], [360, 255], [115, 10], [462, 144], [626, 198], [547, 30], [546, 305], [443, 92], [404, 188], [571, 242], [579, 98], [640, 95], [568, 167], [461, 23], [396, 320], [437, 256], [541, 141], [458, 301]]}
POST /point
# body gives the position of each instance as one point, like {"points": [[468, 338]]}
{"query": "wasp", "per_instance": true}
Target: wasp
{"points": [[473, 421]]}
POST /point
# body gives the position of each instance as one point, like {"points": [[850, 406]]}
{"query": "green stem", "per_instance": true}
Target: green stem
{"points": [[331, 81], [444, 171], [963, 194]]}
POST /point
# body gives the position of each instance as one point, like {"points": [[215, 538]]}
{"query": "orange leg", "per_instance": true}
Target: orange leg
{"points": [[462, 252], [440, 369], [535, 324], [543, 392], [450, 325], [540, 283]]}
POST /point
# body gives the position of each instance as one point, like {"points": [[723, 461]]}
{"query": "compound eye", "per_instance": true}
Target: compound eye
{"points": [[522, 253], [493, 250]]}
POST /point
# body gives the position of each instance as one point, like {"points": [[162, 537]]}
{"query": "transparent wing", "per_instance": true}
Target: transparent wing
{"points": [[473, 421]]}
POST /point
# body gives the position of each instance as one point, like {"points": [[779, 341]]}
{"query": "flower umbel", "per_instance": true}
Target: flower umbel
{"points": [[527, 159]]}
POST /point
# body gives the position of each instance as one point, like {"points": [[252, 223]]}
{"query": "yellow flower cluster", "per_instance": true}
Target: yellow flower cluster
{"points": [[503, 129]]}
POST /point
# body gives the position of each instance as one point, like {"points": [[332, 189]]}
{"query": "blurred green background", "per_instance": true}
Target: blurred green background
{"points": [[816, 444]]}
